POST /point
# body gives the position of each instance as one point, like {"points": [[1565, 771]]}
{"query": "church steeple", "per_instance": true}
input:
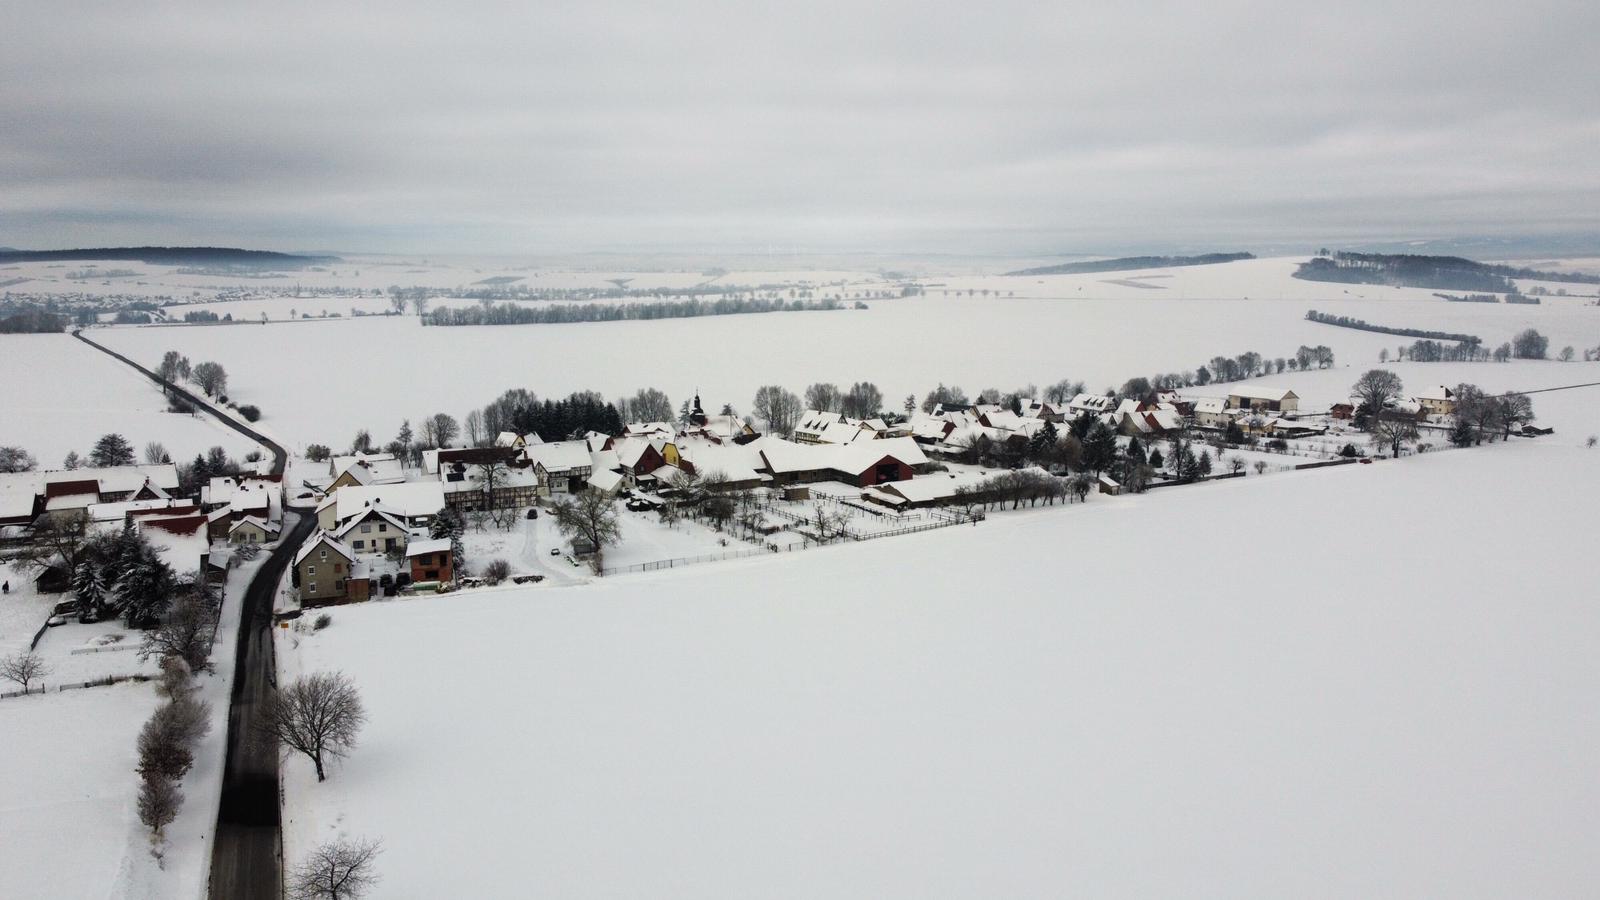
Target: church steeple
{"points": [[697, 416]]}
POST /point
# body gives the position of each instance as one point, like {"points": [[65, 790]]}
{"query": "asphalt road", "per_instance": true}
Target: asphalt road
{"points": [[244, 859]]}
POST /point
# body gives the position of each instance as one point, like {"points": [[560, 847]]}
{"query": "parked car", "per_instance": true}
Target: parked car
{"points": [[555, 551]]}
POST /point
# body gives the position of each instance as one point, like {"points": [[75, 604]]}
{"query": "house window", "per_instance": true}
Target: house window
{"points": [[311, 588], [359, 544], [338, 567], [324, 554], [311, 570], [388, 543], [366, 528], [338, 586]]}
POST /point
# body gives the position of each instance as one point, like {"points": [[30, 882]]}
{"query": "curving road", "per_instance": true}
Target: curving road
{"points": [[244, 858]]}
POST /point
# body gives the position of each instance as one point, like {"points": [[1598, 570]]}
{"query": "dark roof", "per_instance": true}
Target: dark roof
{"points": [[68, 488]]}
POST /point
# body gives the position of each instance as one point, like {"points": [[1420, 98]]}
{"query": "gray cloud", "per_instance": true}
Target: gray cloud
{"points": [[982, 127]]}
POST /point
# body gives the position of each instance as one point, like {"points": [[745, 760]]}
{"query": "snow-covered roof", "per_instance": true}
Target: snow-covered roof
{"points": [[117, 512], [430, 545], [737, 462], [257, 521], [629, 450], [320, 538], [369, 468], [560, 456], [930, 488], [350, 525], [1003, 418], [180, 541], [1211, 405], [784, 456], [842, 432], [605, 480], [812, 421], [410, 499], [1437, 393], [641, 429], [1095, 403], [1258, 392]]}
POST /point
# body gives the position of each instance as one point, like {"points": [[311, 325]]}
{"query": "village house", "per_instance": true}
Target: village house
{"points": [[252, 530], [362, 469], [561, 467], [414, 502], [1437, 401], [1144, 419], [375, 531], [1091, 404], [328, 572], [937, 489], [864, 463], [813, 422], [24, 496], [513, 441], [1263, 399], [431, 561], [465, 474], [1214, 412]]}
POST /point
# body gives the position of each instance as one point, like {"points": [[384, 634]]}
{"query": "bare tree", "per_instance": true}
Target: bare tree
{"points": [[185, 633], [439, 429], [212, 378], [780, 408], [1375, 390], [824, 397], [1393, 431], [863, 400], [419, 303], [24, 668], [650, 405], [475, 432], [497, 571], [16, 459], [159, 802], [156, 453], [337, 870], [1513, 409], [318, 715], [592, 516]]}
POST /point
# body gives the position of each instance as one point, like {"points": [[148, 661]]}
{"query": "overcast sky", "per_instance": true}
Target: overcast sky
{"points": [[957, 127]]}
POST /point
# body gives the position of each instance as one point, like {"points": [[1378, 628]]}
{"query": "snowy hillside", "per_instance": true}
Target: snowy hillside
{"points": [[1369, 681]]}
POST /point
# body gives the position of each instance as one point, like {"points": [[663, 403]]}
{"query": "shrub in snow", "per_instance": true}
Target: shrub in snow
{"points": [[159, 801]]}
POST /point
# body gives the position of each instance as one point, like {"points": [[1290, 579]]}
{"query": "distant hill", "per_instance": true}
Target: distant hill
{"points": [[1448, 273], [1132, 263], [172, 256]]}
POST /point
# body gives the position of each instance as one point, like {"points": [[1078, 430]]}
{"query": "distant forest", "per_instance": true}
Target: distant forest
{"points": [[1133, 263], [1448, 273], [172, 256], [514, 314]]}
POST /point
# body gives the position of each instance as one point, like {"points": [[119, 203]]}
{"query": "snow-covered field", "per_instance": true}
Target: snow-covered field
{"points": [[68, 787], [903, 345], [1111, 700], [62, 395]]}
